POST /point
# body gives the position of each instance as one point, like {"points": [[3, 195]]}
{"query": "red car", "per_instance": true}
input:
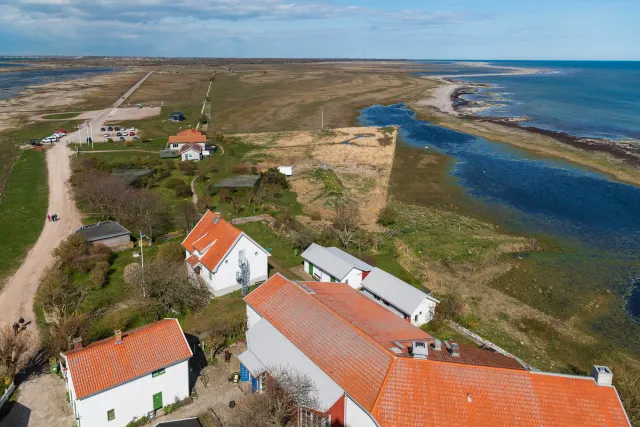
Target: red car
{"points": [[62, 131], [132, 133]]}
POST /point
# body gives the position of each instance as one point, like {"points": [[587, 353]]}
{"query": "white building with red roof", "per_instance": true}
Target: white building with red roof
{"points": [[224, 256], [372, 368], [128, 376]]}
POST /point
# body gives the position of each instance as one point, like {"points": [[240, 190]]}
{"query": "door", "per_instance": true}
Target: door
{"points": [[311, 269], [254, 384], [157, 401]]}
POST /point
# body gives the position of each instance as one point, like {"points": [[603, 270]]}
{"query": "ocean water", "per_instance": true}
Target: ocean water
{"points": [[12, 83], [582, 98], [596, 216]]}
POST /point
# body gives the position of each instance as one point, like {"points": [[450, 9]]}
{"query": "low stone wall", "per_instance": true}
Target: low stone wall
{"points": [[481, 341]]}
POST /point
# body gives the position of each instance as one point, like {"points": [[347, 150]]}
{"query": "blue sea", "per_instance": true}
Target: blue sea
{"points": [[595, 99], [14, 82]]}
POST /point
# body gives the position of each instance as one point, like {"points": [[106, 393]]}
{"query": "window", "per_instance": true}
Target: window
{"points": [[256, 254], [157, 373], [312, 419], [332, 279], [415, 318], [210, 276], [111, 414]]}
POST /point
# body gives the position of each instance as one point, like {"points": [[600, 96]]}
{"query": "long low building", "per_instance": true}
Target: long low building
{"points": [[370, 368], [107, 233], [335, 265]]}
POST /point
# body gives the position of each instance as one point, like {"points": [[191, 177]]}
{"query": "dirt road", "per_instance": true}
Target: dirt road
{"points": [[16, 298], [17, 295]]}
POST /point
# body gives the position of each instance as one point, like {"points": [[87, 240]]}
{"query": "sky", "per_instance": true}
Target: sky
{"points": [[410, 29]]}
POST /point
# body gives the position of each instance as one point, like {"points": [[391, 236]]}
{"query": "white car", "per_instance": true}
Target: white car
{"points": [[58, 134], [132, 130], [49, 140], [106, 135]]}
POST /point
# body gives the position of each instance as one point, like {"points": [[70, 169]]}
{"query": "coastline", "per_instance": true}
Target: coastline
{"points": [[447, 107]]}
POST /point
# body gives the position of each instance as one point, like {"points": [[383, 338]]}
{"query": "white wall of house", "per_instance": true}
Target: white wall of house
{"points": [[424, 313], [133, 399], [178, 145], [355, 416], [191, 155], [252, 317], [223, 281], [353, 278]]}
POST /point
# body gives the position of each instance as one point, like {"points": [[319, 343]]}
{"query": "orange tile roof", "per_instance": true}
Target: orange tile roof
{"points": [[193, 261], [188, 135], [105, 364], [221, 236], [426, 393], [347, 337], [352, 359]]}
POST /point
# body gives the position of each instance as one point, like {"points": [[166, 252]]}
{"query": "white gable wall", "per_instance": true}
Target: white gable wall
{"points": [[355, 416], [424, 313], [133, 399], [191, 155], [224, 280]]}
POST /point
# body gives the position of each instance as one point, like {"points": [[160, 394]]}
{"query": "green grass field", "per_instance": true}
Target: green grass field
{"points": [[23, 209], [60, 116]]}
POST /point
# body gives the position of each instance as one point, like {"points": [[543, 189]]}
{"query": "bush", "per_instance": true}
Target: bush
{"points": [[387, 216], [183, 190], [171, 252], [219, 137], [240, 169], [174, 182], [170, 164], [99, 273], [274, 177], [316, 216], [128, 144], [225, 194], [204, 118], [188, 167]]}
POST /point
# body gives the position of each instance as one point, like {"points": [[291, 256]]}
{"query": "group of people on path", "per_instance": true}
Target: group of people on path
{"points": [[53, 217]]}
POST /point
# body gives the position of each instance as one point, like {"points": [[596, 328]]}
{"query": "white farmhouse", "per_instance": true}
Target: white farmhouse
{"points": [[370, 368], [133, 374], [191, 152], [224, 256], [335, 265], [187, 136]]}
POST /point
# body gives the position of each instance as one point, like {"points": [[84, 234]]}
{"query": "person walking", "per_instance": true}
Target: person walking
{"points": [[48, 217]]}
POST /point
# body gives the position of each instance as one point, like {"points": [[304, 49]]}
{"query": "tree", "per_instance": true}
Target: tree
{"points": [[14, 349], [57, 295], [188, 167], [188, 216], [64, 332], [346, 221], [274, 177], [171, 252], [286, 391], [387, 216], [219, 137], [145, 212]]}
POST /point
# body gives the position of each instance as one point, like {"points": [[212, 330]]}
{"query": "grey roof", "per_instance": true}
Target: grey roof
{"points": [[276, 351], [102, 230], [186, 422], [327, 261], [238, 181], [252, 363], [357, 263], [397, 292]]}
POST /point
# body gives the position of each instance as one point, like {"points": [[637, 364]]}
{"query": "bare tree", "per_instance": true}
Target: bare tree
{"points": [[145, 212], [14, 349], [62, 333], [100, 191], [188, 216], [286, 392], [346, 221]]}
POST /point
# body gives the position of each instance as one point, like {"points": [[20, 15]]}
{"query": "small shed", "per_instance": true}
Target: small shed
{"points": [[286, 170], [176, 116], [107, 233], [238, 182], [169, 154]]}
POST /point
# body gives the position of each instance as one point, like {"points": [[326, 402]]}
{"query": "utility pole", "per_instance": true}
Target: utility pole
{"points": [[322, 112], [144, 293]]}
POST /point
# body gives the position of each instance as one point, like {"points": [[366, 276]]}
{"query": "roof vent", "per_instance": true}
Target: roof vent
{"points": [[455, 349], [437, 345], [397, 344], [420, 350], [118, 336], [217, 216], [602, 375], [77, 343], [395, 350]]}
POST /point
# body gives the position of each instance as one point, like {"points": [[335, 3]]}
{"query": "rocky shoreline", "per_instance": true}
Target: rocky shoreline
{"points": [[626, 149]]}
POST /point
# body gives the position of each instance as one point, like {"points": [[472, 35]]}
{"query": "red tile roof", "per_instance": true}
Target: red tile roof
{"points": [[193, 261], [347, 337], [425, 393], [105, 364], [220, 236], [188, 135], [352, 359]]}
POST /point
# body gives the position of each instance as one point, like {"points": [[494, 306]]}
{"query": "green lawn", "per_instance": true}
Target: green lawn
{"points": [[23, 209]]}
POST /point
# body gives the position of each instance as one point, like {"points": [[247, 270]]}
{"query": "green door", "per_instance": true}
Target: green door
{"points": [[157, 401], [310, 268]]}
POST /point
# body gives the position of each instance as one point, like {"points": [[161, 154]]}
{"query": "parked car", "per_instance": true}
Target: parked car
{"points": [[118, 134], [132, 133], [122, 138], [62, 131], [116, 128], [58, 135], [103, 130], [135, 138], [132, 130], [106, 135]]}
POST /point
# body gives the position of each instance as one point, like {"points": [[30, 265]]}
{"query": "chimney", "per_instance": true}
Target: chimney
{"points": [[77, 343], [420, 350], [118, 336], [602, 375], [216, 217], [455, 349]]}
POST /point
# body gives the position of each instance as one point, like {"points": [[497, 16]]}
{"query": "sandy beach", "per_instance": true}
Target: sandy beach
{"points": [[441, 97]]}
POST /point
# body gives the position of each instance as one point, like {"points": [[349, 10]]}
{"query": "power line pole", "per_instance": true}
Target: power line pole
{"points": [[322, 110]]}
